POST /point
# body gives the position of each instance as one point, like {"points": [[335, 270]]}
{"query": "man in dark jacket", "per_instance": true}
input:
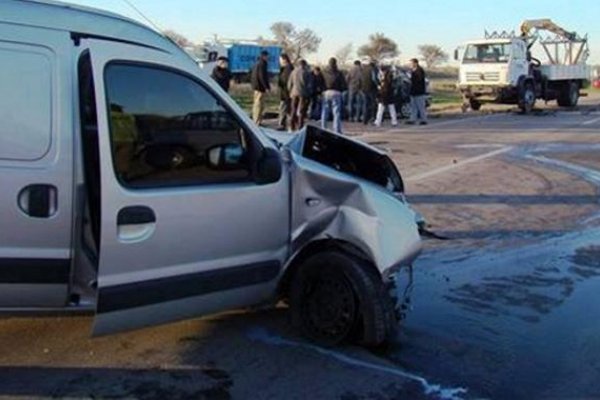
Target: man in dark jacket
{"points": [[221, 73], [368, 90], [418, 94], [318, 87], [335, 84], [300, 88], [354, 83], [284, 94], [260, 84]]}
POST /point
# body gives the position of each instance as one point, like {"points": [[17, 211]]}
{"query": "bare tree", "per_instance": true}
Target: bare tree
{"points": [[343, 54], [178, 38], [432, 55], [295, 43], [379, 46]]}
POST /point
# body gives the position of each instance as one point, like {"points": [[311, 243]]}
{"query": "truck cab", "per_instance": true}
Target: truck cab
{"points": [[490, 70]]}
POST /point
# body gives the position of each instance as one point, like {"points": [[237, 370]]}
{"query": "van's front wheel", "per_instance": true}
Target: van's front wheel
{"points": [[335, 298]]}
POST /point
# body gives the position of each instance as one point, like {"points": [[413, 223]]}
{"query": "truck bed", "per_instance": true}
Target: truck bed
{"points": [[557, 72]]}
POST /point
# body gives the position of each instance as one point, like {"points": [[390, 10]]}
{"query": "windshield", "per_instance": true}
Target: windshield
{"points": [[487, 53]]}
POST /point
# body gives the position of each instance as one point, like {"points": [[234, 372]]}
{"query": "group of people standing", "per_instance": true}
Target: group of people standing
{"points": [[364, 93]]}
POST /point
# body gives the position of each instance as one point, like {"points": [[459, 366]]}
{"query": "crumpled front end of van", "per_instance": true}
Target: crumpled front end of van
{"points": [[345, 190]]}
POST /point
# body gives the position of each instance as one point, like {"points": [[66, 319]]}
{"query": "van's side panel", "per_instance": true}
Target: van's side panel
{"points": [[36, 166]]}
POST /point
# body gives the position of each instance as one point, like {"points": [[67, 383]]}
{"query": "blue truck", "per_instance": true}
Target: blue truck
{"points": [[242, 57]]}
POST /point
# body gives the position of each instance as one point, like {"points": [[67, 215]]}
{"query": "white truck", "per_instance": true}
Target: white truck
{"points": [[503, 68]]}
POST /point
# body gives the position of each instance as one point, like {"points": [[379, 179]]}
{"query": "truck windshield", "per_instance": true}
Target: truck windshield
{"points": [[487, 53]]}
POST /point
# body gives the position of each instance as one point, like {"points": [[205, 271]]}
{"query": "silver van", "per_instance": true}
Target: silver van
{"points": [[133, 187]]}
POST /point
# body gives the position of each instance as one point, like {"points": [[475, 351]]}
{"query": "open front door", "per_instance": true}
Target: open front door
{"points": [[184, 228]]}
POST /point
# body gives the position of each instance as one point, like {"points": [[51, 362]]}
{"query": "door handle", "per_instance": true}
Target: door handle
{"points": [[135, 224], [39, 200], [136, 215]]}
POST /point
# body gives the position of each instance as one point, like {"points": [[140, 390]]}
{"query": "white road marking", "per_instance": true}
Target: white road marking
{"points": [[459, 164], [591, 121], [262, 335]]}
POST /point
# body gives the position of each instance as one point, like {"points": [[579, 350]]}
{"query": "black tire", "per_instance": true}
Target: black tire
{"points": [[475, 105], [527, 98], [335, 298], [569, 96]]}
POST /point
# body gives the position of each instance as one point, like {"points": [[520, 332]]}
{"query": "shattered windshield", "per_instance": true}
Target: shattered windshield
{"points": [[487, 53]]}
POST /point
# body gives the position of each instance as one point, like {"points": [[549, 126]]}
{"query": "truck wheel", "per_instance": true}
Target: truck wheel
{"points": [[527, 99], [334, 298], [475, 105], [569, 96]]}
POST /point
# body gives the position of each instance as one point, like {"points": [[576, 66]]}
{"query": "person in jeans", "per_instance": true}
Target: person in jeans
{"points": [[418, 94], [259, 79], [284, 94], [221, 73], [354, 79], [335, 84], [299, 86], [385, 97], [318, 87], [369, 84]]}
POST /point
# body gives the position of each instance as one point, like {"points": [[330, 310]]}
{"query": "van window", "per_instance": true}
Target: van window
{"points": [[169, 130], [25, 103]]}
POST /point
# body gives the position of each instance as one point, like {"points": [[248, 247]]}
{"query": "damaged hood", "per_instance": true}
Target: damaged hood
{"points": [[346, 190]]}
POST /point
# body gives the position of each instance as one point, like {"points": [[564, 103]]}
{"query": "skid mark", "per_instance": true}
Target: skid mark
{"points": [[262, 335], [459, 164]]}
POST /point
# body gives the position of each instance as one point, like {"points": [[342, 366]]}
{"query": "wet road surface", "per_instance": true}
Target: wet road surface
{"points": [[508, 308]]}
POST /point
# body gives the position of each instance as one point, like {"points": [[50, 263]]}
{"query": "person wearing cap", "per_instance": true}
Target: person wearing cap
{"points": [[335, 84], [260, 84], [221, 73], [418, 94]]}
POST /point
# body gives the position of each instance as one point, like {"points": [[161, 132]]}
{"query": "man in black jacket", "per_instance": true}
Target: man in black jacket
{"points": [[260, 84], [368, 91], [284, 94], [221, 73], [418, 94], [335, 84]]}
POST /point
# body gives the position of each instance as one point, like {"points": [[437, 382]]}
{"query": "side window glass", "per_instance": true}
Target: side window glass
{"points": [[168, 130]]}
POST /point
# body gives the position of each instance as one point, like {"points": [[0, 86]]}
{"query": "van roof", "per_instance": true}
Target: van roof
{"points": [[80, 19]]}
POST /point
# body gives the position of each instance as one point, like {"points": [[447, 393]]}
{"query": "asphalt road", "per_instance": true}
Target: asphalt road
{"points": [[506, 308]]}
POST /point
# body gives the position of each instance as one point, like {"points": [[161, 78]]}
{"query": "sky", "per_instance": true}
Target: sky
{"points": [[339, 22]]}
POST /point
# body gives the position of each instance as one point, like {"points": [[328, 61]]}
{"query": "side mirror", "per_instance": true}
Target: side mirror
{"points": [[225, 156], [456, 54], [268, 167]]}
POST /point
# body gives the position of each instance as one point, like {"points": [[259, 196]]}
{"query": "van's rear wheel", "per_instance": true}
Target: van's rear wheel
{"points": [[527, 99], [335, 298], [569, 96]]}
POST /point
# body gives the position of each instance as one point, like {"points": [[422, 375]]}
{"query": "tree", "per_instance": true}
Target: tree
{"points": [[295, 43], [379, 47], [343, 54], [433, 55], [178, 38]]}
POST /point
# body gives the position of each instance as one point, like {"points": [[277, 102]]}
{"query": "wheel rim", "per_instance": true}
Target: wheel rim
{"points": [[329, 307], [528, 99]]}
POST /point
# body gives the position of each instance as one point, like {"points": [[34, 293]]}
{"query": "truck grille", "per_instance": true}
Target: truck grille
{"points": [[485, 77]]}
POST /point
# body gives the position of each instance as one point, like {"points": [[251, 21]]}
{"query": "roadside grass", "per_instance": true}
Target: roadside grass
{"points": [[242, 93], [444, 95]]}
